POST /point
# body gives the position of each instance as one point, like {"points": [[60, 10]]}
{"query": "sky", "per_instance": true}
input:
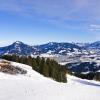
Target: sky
{"points": [[42, 21]]}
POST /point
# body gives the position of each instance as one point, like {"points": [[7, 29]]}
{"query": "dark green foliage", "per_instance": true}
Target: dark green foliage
{"points": [[97, 76], [78, 68], [46, 67], [88, 76]]}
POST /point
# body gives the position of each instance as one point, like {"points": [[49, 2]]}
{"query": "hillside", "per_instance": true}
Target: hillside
{"points": [[33, 86], [53, 48]]}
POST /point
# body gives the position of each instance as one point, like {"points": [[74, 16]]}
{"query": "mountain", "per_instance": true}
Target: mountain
{"points": [[58, 48], [81, 44], [17, 48], [95, 45], [51, 48]]}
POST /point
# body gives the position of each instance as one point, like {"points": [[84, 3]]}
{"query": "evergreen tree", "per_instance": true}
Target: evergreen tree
{"points": [[46, 67]]}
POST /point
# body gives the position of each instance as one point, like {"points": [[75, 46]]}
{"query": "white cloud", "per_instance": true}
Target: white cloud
{"points": [[94, 27], [58, 11], [4, 43], [63, 9]]}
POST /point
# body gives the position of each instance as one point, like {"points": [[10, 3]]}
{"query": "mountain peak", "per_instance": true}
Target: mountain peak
{"points": [[51, 43], [97, 42], [18, 42]]}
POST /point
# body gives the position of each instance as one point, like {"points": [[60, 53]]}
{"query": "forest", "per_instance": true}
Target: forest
{"points": [[46, 67]]}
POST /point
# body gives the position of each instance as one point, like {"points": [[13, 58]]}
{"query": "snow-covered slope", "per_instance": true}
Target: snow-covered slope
{"points": [[20, 48], [34, 86], [51, 48]]}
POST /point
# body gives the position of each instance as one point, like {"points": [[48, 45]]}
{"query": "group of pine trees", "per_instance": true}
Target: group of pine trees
{"points": [[46, 67]]}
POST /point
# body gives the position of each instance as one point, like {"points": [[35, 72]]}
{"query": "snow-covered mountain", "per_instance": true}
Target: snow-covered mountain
{"points": [[58, 48], [33, 86], [81, 44], [95, 45], [17, 48], [49, 48]]}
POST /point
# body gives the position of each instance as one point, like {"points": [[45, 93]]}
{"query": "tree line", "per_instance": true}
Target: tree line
{"points": [[78, 69], [46, 67]]}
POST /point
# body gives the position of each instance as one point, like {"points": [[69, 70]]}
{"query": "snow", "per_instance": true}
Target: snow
{"points": [[46, 55], [63, 63], [98, 71], [18, 42], [34, 86], [62, 51], [85, 72], [50, 52]]}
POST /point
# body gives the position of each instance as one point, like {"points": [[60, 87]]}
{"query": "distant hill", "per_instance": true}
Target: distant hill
{"points": [[50, 48], [20, 48]]}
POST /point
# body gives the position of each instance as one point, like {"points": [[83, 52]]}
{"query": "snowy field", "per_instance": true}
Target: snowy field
{"points": [[34, 86]]}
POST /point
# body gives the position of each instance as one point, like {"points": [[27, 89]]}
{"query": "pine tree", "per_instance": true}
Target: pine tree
{"points": [[48, 68]]}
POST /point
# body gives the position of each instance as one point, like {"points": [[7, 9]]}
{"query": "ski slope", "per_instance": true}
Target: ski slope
{"points": [[34, 86]]}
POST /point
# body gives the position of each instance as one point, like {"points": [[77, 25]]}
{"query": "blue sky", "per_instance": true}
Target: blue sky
{"points": [[41, 21]]}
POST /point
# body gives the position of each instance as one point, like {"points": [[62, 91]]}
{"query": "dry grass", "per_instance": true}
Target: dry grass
{"points": [[6, 67]]}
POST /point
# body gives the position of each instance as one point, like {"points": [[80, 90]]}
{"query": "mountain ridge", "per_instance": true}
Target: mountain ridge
{"points": [[62, 48]]}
